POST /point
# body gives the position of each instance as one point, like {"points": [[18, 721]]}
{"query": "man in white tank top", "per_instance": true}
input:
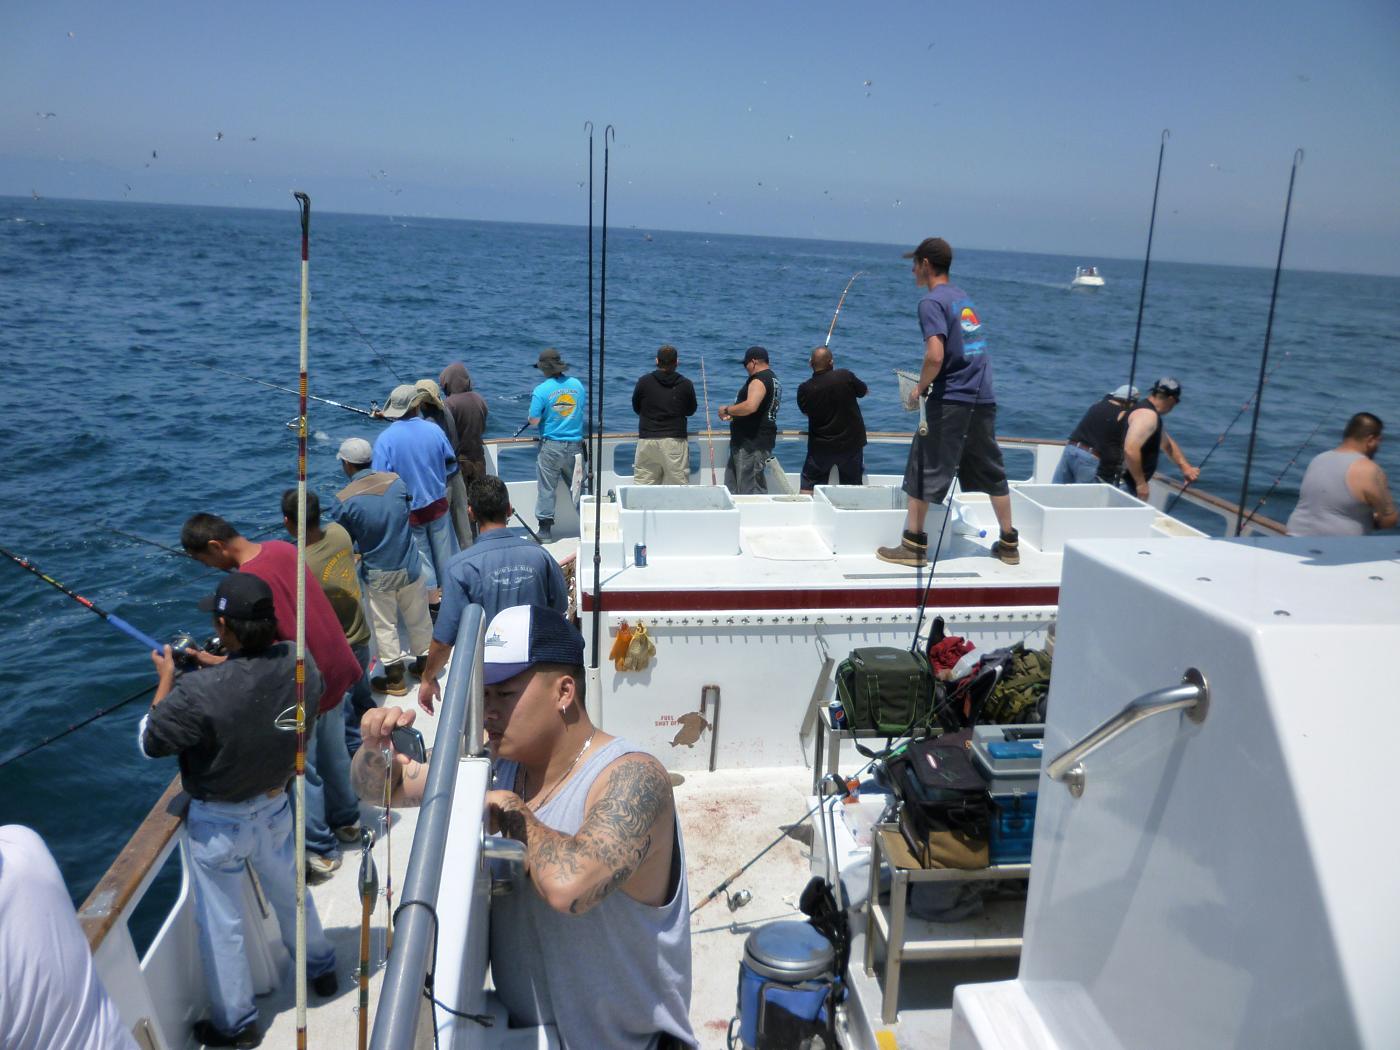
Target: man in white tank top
{"points": [[1344, 491], [596, 938]]}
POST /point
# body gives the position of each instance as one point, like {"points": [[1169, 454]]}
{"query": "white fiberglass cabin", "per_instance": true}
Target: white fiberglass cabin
{"points": [[1086, 277]]}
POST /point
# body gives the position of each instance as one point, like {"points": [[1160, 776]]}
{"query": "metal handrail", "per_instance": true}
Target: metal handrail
{"points": [[1191, 696], [401, 999]]}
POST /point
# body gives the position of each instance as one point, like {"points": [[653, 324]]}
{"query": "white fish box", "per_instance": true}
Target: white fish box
{"points": [[855, 519], [678, 521], [1048, 515]]}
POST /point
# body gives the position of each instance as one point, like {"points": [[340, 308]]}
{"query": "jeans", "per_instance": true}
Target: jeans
{"points": [[394, 601], [1077, 467], [330, 801], [224, 837], [745, 474], [556, 460], [436, 543], [358, 700]]}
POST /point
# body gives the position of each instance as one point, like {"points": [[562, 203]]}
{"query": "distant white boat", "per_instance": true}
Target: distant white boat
{"points": [[1086, 277]]}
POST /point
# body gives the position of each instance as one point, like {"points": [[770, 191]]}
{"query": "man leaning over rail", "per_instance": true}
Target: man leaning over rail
{"points": [[601, 910], [235, 759]]}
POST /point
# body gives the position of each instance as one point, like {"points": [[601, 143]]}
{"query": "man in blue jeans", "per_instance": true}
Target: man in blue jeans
{"points": [[557, 406], [1094, 451], [419, 452], [221, 721]]}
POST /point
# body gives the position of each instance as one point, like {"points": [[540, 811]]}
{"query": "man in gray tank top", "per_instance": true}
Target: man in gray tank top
{"points": [[1344, 491], [595, 938]]}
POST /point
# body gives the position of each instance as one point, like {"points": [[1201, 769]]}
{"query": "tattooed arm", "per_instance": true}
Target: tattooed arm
{"points": [[627, 839], [368, 768]]}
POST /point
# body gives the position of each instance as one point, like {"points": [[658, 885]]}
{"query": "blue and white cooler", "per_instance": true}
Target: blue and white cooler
{"points": [[1010, 756], [787, 987]]}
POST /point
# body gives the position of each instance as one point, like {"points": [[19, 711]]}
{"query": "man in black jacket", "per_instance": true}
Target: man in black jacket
{"points": [[835, 427], [663, 401]]}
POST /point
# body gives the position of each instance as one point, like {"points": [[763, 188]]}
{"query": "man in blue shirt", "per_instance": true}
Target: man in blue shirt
{"points": [[497, 572], [373, 509], [557, 405], [959, 443], [418, 452]]}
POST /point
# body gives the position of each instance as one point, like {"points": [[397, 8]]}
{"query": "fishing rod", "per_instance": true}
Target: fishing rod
{"points": [[99, 713], [150, 543], [1268, 333], [609, 135], [1221, 439], [522, 429], [709, 429], [588, 394], [1281, 475], [289, 390], [112, 618], [1147, 261], [369, 895], [382, 359], [840, 303], [304, 206], [533, 534]]}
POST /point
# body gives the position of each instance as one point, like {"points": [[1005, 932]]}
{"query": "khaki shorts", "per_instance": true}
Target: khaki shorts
{"points": [[662, 461]]}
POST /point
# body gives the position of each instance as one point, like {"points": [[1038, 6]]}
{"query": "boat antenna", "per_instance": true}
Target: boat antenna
{"points": [[709, 429], [372, 348], [840, 303], [150, 644], [588, 394], [1268, 334], [289, 390], [1147, 261], [99, 713], [1223, 435], [609, 135], [1281, 475], [304, 206]]}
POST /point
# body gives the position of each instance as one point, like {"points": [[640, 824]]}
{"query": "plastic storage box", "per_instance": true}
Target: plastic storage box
{"points": [[1010, 756]]}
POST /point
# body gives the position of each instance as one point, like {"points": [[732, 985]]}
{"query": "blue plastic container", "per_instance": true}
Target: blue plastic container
{"points": [[1013, 826], [787, 965]]}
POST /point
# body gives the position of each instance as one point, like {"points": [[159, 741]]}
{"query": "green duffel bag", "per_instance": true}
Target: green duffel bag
{"points": [[886, 690]]}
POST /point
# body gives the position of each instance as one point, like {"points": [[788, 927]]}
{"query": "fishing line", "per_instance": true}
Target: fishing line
{"points": [[609, 136], [116, 621], [840, 303], [709, 428], [99, 713], [289, 390], [1147, 261], [1268, 333], [1283, 473], [382, 359], [1221, 439]]}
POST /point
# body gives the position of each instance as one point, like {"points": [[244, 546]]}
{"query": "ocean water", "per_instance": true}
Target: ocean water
{"points": [[109, 311]]}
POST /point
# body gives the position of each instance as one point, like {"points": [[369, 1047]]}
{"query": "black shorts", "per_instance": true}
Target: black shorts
{"points": [[961, 442], [816, 470]]}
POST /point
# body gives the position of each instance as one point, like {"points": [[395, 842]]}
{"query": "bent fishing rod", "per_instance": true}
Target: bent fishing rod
{"points": [[709, 428], [1221, 439], [289, 390], [840, 303], [1268, 334], [1147, 261], [1281, 475], [112, 618]]}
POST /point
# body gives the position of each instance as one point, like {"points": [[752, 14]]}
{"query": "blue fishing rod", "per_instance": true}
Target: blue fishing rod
{"points": [[116, 621]]}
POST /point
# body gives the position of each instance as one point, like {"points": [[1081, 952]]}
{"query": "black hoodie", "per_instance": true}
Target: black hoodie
{"points": [[663, 401]]}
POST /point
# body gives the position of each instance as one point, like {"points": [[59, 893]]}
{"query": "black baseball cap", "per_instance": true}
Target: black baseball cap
{"points": [[935, 251], [242, 596], [1167, 387], [755, 353]]}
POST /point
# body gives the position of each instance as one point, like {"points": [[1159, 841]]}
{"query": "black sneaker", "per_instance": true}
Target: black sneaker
{"points": [[545, 530], [246, 1037], [325, 986]]}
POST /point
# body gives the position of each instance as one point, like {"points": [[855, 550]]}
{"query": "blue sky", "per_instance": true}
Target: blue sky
{"points": [[1019, 125]]}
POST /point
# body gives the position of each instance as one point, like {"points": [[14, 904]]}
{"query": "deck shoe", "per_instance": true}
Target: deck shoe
{"points": [[1007, 548], [325, 985], [350, 834], [391, 681], [320, 867], [907, 554], [246, 1037]]}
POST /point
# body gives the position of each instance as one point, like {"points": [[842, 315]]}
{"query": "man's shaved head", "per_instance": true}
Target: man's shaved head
{"points": [[820, 359]]}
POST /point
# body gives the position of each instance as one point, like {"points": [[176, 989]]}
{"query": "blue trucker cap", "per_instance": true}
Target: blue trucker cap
{"points": [[524, 635]]}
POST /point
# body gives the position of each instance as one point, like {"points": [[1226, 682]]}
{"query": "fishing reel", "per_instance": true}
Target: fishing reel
{"points": [[182, 641]]}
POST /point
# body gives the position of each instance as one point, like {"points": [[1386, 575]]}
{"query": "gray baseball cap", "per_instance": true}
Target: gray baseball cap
{"points": [[355, 450], [400, 401]]}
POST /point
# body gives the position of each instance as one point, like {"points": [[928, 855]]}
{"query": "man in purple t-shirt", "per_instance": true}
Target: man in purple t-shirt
{"points": [[960, 442]]}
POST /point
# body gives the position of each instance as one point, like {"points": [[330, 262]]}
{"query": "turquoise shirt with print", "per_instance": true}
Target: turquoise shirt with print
{"points": [[559, 406]]}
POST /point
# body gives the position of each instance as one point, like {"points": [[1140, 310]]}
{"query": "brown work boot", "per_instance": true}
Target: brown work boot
{"points": [[1007, 548], [391, 682], [913, 546]]}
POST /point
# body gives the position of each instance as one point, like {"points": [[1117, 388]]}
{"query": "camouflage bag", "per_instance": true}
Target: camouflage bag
{"points": [[1025, 681]]}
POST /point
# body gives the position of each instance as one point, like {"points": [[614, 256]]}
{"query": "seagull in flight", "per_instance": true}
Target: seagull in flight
{"points": [[155, 155], [44, 116], [869, 83]]}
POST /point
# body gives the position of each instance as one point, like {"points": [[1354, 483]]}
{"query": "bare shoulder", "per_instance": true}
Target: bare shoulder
{"points": [[634, 781]]}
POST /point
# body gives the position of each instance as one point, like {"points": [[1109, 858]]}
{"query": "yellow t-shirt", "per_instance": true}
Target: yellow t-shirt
{"points": [[331, 561]]}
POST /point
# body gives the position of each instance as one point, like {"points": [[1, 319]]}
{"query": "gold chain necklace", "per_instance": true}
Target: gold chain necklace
{"points": [[536, 803]]}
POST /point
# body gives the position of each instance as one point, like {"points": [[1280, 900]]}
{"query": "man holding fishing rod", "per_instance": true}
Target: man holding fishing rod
{"points": [[595, 938], [961, 410], [1147, 438], [554, 408], [235, 760]]}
